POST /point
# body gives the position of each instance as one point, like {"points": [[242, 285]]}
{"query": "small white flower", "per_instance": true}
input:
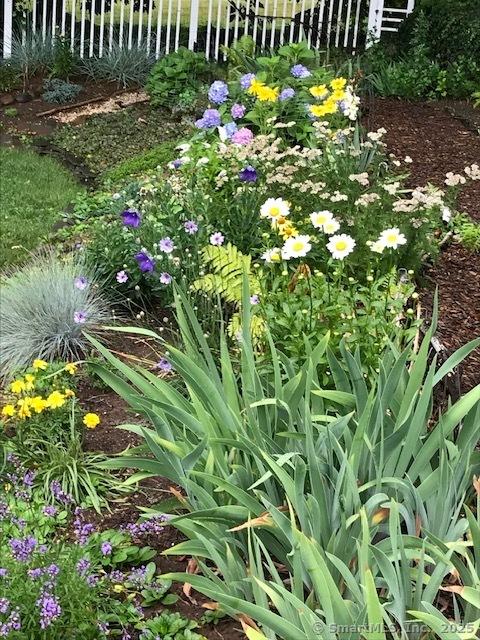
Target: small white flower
{"points": [[272, 255], [296, 247], [408, 160], [377, 247], [331, 226], [341, 246], [446, 214], [275, 208], [392, 238], [319, 218], [454, 179]]}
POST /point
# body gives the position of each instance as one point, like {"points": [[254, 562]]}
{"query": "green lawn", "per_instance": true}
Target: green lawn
{"points": [[33, 191]]}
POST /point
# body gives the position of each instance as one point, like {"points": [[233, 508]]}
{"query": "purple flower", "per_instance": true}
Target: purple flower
{"points": [[79, 317], [146, 264], [3, 572], [248, 174], [138, 576], [164, 365], [52, 570], [92, 580], [217, 239], [254, 299], [28, 478], [83, 565], [50, 511], [299, 71], [59, 494], [286, 94], [81, 283], [122, 276], [34, 574], [22, 548], [106, 548], [190, 227], [12, 624], [166, 245], [116, 576], [177, 163], [237, 111], [82, 529], [131, 218], [210, 119], [4, 605], [230, 129], [218, 92], [246, 80], [50, 609], [242, 136], [165, 278]]}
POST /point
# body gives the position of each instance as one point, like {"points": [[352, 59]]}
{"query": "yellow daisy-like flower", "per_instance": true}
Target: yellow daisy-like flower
{"points": [[29, 381], [91, 420], [17, 386], [24, 408], [40, 364], [69, 393], [8, 411], [71, 368], [338, 95], [330, 105], [338, 84], [267, 94], [38, 404], [55, 400], [287, 230], [319, 90], [255, 86]]}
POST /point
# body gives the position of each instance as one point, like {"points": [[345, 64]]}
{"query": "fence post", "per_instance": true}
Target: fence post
{"points": [[7, 28], [193, 28], [375, 16]]}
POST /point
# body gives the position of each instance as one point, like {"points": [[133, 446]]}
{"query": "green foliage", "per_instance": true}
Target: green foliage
{"points": [[107, 140], [9, 76], [468, 232], [126, 66], [11, 112], [169, 626], [37, 315], [33, 190], [476, 98], [174, 75], [64, 59], [59, 91], [141, 163], [333, 481]]}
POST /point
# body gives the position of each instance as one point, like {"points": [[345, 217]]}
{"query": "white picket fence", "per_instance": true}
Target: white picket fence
{"points": [[160, 26]]}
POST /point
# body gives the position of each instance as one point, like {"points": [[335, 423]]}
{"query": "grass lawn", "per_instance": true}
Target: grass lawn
{"points": [[33, 191]]}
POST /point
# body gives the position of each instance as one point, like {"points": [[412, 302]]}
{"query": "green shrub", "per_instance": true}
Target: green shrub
{"points": [[9, 76], [468, 232], [142, 163], [59, 91], [174, 75]]}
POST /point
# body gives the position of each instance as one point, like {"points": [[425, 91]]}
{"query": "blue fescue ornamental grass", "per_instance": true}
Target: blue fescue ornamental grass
{"points": [[44, 312]]}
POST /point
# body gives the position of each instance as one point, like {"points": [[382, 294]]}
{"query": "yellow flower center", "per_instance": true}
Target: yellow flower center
{"points": [[297, 246], [392, 238], [341, 245], [274, 211]]}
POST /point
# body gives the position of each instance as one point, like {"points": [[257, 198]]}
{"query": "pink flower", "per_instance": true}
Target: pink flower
{"points": [[217, 239], [242, 136]]}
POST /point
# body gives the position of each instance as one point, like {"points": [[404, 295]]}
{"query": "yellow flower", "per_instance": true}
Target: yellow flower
{"points": [[8, 410], [38, 404], [17, 386], [319, 90], [287, 230], [255, 86], [320, 110], [338, 84], [69, 393], [91, 420], [267, 94], [330, 105], [338, 95], [40, 364], [70, 368], [29, 382], [24, 408], [55, 400]]}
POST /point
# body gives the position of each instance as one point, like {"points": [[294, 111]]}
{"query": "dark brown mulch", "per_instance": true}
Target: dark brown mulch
{"points": [[438, 142]]}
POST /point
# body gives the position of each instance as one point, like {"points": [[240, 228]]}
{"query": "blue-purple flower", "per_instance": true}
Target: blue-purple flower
{"points": [[23, 548], [237, 111], [300, 71], [217, 239], [255, 299], [248, 174], [190, 226], [246, 80], [164, 365], [165, 278], [50, 609], [80, 283], [146, 263], [4, 605], [131, 218], [80, 317], [218, 92], [50, 511], [121, 276], [230, 129], [83, 566], [106, 548], [166, 245], [286, 94], [211, 118]]}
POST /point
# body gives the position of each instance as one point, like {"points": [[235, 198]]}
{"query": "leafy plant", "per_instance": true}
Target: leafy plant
{"points": [[9, 76], [44, 313], [59, 91], [175, 74], [169, 626], [468, 231]]}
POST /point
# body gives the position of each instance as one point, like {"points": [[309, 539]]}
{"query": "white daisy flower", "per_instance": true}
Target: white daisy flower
{"points": [[340, 246], [319, 218], [275, 208], [392, 238], [331, 226], [272, 255], [296, 247], [376, 247]]}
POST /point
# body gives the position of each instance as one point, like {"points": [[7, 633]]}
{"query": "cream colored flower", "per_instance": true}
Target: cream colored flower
{"points": [[296, 247], [341, 246], [319, 218], [331, 226], [392, 238], [274, 208]]}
